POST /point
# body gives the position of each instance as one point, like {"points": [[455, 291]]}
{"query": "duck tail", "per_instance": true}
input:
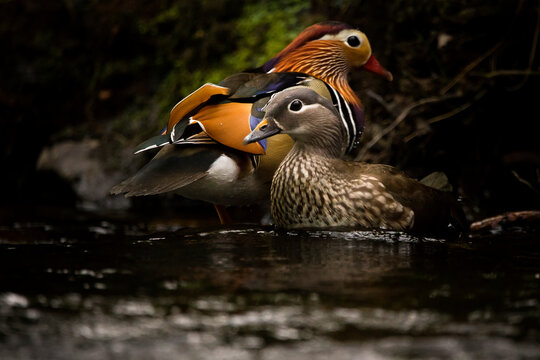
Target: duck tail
{"points": [[437, 180]]}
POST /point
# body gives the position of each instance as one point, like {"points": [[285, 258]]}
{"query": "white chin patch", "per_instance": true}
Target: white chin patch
{"points": [[224, 169]]}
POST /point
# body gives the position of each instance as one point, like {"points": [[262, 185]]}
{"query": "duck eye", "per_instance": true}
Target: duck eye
{"points": [[295, 105], [353, 41]]}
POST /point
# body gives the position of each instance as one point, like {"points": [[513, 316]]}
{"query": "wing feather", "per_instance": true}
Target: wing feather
{"points": [[228, 124]]}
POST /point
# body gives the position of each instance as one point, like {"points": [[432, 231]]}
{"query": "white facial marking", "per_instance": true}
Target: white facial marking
{"points": [[279, 125], [306, 108], [343, 35]]}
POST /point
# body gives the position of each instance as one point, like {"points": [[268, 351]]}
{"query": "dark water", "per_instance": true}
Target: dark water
{"points": [[94, 289]]}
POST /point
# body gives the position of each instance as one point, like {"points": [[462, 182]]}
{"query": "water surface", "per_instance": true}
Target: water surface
{"points": [[96, 289]]}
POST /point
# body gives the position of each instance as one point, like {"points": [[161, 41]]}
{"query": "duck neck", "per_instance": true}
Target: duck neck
{"points": [[323, 60], [317, 147], [329, 141]]}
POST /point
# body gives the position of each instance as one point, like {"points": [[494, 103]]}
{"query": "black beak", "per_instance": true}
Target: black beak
{"points": [[264, 130]]}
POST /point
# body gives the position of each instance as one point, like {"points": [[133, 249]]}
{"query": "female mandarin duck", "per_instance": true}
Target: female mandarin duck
{"points": [[313, 187], [203, 156]]}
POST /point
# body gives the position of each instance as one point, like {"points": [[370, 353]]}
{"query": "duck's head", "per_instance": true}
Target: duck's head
{"points": [[326, 49], [309, 118]]}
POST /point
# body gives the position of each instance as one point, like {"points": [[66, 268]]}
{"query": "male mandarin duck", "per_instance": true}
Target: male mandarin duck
{"points": [[315, 188], [203, 156]]}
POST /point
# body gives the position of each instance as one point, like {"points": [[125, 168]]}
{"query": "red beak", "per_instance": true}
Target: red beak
{"points": [[373, 65]]}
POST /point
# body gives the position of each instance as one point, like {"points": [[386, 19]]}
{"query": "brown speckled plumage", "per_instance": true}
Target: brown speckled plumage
{"points": [[308, 192], [313, 187]]}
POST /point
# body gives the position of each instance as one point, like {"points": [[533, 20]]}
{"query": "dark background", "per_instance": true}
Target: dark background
{"points": [[83, 82]]}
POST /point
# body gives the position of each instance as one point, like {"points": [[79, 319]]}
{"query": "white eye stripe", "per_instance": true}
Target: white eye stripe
{"points": [[305, 108], [344, 35]]}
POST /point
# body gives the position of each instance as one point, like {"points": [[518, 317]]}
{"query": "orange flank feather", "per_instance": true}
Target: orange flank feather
{"points": [[192, 101], [228, 124]]}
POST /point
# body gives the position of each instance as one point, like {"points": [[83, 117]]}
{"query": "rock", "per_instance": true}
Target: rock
{"points": [[78, 163]]}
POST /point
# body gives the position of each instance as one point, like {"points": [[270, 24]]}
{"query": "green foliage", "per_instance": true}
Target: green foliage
{"points": [[265, 28], [261, 31], [182, 45]]}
